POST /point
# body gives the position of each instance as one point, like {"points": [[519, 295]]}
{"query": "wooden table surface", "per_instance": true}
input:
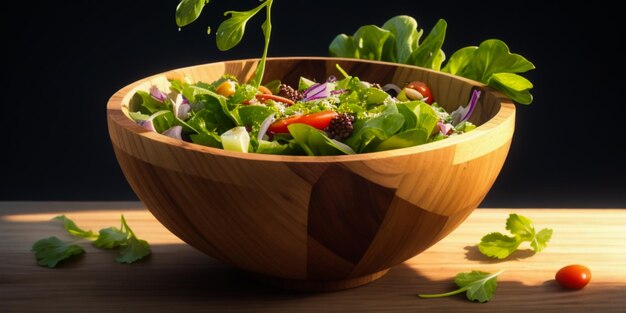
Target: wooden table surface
{"points": [[177, 278]]}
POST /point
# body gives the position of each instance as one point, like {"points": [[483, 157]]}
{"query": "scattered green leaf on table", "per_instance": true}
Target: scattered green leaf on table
{"points": [[50, 251], [110, 238], [73, 229], [133, 250], [500, 246], [477, 285], [497, 245]]}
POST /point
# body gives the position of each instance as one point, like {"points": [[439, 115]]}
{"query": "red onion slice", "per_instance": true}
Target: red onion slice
{"points": [[445, 129], [147, 124], [317, 91], [265, 125], [157, 94], [463, 113], [472, 104], [174, 132], [181, 107]]}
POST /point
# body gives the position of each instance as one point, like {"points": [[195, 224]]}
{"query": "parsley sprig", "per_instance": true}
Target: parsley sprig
{"points": [[500, 246], [52, 250], [477, 285]]}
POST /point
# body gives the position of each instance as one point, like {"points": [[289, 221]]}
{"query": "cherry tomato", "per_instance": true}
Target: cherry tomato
{"points": [[423, 89], [573, 276], [263, 97], [319, 120]]}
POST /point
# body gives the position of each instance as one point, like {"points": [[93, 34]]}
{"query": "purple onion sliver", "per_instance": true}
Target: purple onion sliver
{"points": [[313, 89], [183, 111], [147, 124], [331, 79], [444, 128], [338, 91], [174, 132], [472, 104], [265, 125], [157, 94]]}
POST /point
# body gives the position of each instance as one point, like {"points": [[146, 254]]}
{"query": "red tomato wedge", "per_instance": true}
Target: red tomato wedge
{"points": [[319, 120], [264, 97]]}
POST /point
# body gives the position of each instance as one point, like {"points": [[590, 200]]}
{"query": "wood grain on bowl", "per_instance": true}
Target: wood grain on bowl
{"points": [[328, 222]]}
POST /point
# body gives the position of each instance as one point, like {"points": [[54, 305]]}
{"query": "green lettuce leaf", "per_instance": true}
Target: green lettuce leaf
{"points": [[315, 142]]}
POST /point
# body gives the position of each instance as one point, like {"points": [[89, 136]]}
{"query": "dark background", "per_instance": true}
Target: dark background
{"points": [[65, 59]]}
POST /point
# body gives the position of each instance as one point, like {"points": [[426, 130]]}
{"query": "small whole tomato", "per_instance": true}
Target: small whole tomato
{"points": [[574, 276], [423, 89]]}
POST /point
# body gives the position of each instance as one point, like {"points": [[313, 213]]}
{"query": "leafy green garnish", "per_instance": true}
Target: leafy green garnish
{"points": [[478, 286], [188, 11], [399, 41], [52, 250], [73, 229], [500, 246], [230, 31], [493, 64], [315, 142]]}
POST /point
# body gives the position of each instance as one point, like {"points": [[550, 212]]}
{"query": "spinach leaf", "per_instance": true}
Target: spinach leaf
{"points": [[459, 60], [230, 32], [315, 142], [343, 46], [144, 103], [162, 120], [402, 40], [429, 54], [253, 115], [208, 138], [420, 120], [188, 11], [275, 147], [491, 62], [368, 133], [409, 138], [514, 86], [369, 41], [493, 56]]}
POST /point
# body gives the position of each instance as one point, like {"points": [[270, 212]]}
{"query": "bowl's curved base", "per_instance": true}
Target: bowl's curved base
{"points": [[320, 285]]}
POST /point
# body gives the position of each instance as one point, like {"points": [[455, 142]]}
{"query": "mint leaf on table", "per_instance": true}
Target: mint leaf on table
{"points": [[540, 241], [500, 246], [477, 285], [110, 238], [497, 245], [73, 229], [50, 251], [134, 250]]}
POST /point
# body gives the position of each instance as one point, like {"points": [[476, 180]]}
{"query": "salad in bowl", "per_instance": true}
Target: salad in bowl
{"points": [[332, 117]]}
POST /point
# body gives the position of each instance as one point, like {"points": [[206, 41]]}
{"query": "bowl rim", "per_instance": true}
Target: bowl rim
{"points": [[117, 116]]}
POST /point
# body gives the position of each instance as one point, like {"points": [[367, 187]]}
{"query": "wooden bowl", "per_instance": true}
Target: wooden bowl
{"points": [[315, 223]]}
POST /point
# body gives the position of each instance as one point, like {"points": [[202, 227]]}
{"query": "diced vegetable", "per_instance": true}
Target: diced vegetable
{"points": [[236, 139]]}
